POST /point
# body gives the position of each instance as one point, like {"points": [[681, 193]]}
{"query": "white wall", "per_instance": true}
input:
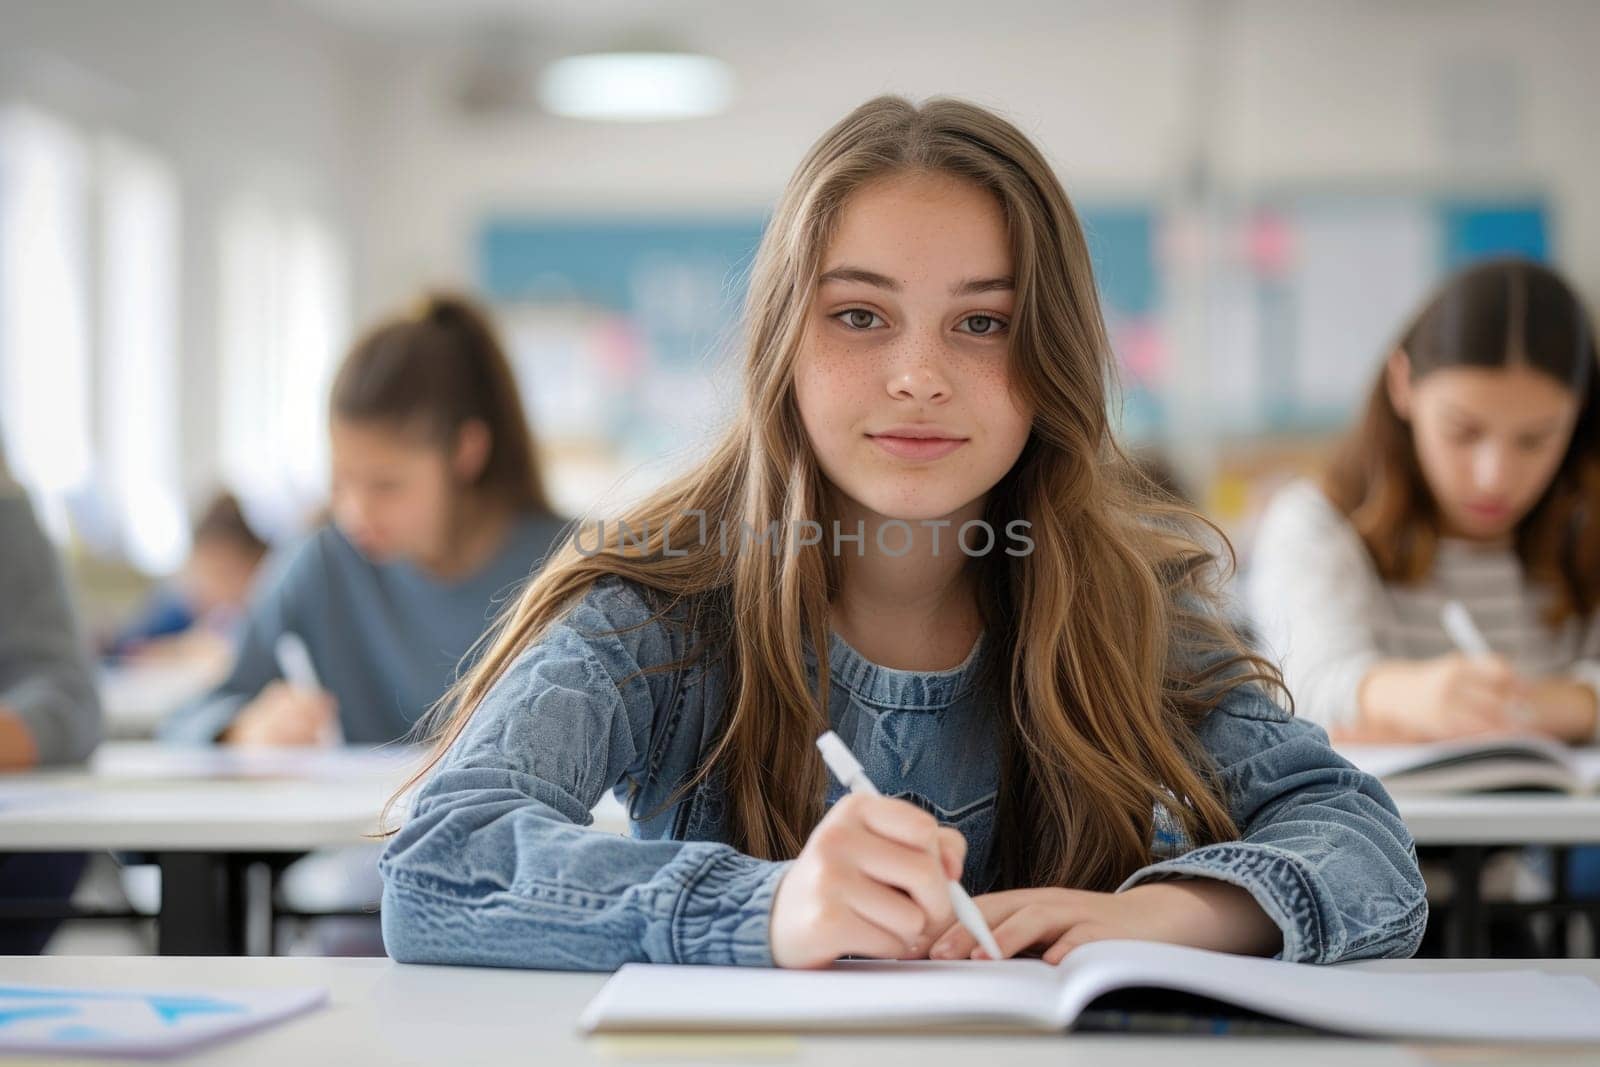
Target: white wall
{"points": [[1101, 88], [347, 105], [1359, 92], [1349, 92], [259, 97]]}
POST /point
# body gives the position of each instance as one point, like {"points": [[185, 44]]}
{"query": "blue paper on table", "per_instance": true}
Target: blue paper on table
{"points": [[129, 1022]]}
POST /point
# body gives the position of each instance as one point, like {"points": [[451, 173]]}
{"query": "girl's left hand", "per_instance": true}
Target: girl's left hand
{"points": [[1198, 912], [1561, 708]]}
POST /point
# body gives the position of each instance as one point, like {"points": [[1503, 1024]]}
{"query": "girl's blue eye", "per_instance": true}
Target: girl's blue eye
{"points": [[858, 318], [983, 325]]}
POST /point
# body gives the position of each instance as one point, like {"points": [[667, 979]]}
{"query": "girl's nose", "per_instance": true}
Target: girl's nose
{"points": [[917, 375], [1489, 469]]}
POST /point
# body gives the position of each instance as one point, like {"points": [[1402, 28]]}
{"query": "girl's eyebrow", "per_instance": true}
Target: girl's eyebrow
{"points": [[969, 287], [859, 274], [972, 286], [1466, 419]]}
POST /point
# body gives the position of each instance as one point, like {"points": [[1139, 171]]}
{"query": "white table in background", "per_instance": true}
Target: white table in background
{"points": [[138, 696], [1502, 819], [206, 814], [1468, 827], [383, 1012]]}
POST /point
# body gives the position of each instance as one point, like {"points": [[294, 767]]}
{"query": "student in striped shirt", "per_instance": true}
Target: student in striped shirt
{"points": [[1474, 475]]}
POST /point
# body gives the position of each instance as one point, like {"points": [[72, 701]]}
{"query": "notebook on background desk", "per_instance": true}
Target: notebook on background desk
{"points": [[1029, 995], [1480, 765]]}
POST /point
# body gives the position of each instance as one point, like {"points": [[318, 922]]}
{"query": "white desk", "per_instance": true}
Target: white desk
{"points": [[1502, 819], [384, 1012], [1468, 827], [203, 810], [146, 797], [208, 813], [143, 797]]}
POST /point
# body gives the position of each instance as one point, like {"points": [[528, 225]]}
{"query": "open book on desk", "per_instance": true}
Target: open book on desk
{"points": [[1480, 765], [1031, 995]]}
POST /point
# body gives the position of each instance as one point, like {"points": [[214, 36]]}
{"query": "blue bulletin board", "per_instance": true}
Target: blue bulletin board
{"points": [[623, 329], [619, 325]]}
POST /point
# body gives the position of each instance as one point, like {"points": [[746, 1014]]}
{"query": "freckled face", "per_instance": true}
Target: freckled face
{"points": [[903, 377]]}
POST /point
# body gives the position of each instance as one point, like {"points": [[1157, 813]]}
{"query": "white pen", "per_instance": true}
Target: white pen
{"points": [[1466, 636], [845, 767], [1464, 633], [294, 660]]}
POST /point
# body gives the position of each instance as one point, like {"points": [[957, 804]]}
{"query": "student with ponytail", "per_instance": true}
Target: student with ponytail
{"points": [[920, 532], [438, 514]]}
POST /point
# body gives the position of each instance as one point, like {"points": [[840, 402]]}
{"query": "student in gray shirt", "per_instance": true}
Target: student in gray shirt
{"points": [[49, 710], [438, 515]]}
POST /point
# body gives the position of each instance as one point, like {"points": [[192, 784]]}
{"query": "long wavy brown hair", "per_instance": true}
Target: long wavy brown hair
{"points": [[1125, 650], [1494, 314]]}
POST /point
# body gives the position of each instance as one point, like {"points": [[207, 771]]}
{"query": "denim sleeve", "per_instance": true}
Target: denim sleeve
{"points": [[494, 865], [1321, 848]]}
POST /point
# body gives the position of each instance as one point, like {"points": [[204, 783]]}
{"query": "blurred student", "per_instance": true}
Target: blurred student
{"points": [[49, 711], [199, 617], [1473, 476], [438, 513]]}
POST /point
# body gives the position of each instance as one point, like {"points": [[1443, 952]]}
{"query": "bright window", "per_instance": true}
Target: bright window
{"points": [[283, 318], [138, 369], [44, 308]]}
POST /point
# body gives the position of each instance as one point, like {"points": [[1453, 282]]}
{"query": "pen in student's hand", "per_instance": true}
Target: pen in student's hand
{"points": [[842, 762], [1463, 632], [1466, 636], [294, 660]]}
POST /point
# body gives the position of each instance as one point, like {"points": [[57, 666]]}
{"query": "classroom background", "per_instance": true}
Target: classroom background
{"points": [[202, 200]]}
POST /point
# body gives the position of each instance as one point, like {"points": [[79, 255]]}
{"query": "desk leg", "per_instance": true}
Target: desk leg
{"points": [[202, 905], [1466, 934]]}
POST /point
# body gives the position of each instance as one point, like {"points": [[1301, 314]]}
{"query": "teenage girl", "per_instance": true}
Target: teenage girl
{"points": [[919, 532]]}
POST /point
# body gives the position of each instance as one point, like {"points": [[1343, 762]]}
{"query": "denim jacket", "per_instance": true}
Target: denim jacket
{"points": [[494, 865]]}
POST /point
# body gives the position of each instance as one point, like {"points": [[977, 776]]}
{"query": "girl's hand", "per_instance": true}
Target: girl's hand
{"points": [[1563, 709], [285, 715], [871, 881], [1442, 698], [1199, 912]]}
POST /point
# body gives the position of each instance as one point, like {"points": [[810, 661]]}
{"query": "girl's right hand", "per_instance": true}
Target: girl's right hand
{"points": [[1445, 697], [283, 714], [867, 883]]}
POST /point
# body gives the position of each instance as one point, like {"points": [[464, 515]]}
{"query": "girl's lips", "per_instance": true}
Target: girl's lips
{"points": [[1489, 511], [917, 447]]}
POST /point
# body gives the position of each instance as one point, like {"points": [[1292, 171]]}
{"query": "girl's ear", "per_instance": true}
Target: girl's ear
{"points": [[1397, 376], [471, 453]]}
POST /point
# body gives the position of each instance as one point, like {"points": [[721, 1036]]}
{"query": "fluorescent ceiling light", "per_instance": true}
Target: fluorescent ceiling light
{"points": [[636, 86]]}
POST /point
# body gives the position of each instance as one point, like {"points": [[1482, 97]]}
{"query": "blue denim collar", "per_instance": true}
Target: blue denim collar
{"points": [[891, 688]]}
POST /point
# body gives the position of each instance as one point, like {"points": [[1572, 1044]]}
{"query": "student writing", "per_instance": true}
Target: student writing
{"points": [[1474, 476], [1048, 698], [439, 512]]}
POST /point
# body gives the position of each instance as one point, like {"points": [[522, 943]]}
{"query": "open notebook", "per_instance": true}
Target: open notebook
{"points": [[1031, 995], [1480, 765]]}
